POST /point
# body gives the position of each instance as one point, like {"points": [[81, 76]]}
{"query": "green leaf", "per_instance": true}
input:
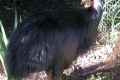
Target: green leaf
{"points": [[4, 34]]}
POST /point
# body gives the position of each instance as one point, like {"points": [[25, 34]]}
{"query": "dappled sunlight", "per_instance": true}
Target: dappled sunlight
{"points": [[96, 60]]}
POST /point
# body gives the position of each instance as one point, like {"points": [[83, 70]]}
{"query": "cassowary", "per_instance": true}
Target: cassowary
{"points": [[51, 40]]}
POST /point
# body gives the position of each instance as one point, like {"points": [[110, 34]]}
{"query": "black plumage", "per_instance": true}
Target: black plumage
{"points": [[51, 40]]}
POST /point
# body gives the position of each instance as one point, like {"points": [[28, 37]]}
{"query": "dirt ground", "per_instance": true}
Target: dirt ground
{"points": [[97, 59]]}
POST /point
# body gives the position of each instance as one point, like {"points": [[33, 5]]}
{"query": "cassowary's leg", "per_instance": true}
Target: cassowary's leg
{"points": [[50, 75], [58, 78], [58, 71]]}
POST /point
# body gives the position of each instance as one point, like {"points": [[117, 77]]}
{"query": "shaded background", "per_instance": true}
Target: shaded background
{"points": [[26, 7]]}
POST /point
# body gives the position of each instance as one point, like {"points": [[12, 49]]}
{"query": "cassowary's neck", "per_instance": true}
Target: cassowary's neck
{"points": [[96, 4]]}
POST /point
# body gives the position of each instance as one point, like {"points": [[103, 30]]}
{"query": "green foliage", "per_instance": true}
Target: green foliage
{"points": [[110, 22], [4, 42], [92, 78], [0, 0], [3, 45], [16, 22], [3, 34], [101, 76], [116, 70]]}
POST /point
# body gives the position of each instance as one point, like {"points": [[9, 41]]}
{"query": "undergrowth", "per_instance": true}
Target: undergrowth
{"points": [[101, 76], [110, 23], [4, 42]]}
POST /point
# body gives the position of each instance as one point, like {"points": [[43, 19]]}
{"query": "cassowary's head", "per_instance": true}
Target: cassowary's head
{"points": [[97, 3]]}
